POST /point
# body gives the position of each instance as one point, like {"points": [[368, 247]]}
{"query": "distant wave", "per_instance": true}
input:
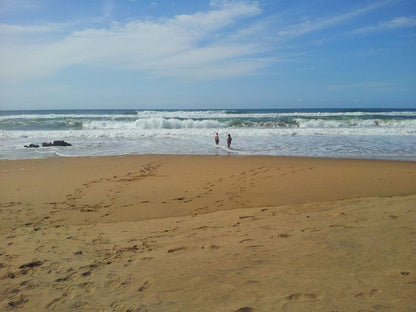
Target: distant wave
{"points": [[356, 123], [207, 114], [31, 124]]}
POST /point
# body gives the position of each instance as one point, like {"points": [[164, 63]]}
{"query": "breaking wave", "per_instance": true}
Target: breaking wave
{"points": [[150, 120], [364, 134]]}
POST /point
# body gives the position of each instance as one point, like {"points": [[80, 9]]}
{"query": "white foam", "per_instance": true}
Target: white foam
{"points": [[211, 114], [192, 132], [357, 123], [153, 123]]}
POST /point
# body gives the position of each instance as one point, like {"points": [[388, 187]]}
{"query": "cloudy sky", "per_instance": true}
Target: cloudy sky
{"points": [[207, 54]]}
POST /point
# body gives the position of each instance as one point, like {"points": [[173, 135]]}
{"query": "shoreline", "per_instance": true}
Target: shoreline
{"points": [[336, 133], [230, 154], [203, 233]]}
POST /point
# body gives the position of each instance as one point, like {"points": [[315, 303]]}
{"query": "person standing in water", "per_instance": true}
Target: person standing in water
{"points": [[217, 138], [229, 139]]}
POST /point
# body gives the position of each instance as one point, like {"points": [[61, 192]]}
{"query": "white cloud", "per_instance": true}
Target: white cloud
{"points": [[8, 29], [184, 46], [398, 22], [170, 47], [309, 26], [216, 19]]}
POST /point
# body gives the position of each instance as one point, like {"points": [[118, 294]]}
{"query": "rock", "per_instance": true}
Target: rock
{"points": [[47, 144], [61, 143], [55, 143]]}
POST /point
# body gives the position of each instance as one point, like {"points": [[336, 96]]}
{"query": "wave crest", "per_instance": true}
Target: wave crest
{"points": [[154, 123]]}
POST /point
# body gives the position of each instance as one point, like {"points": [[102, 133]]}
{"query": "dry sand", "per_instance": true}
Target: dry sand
{"points": [[196, 233]]}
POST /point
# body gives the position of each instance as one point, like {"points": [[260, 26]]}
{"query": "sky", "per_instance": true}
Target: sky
{"points": [[184, 54]]}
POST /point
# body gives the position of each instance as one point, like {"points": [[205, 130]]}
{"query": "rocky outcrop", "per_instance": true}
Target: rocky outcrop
{"points": [[46, 144], [60, 143]]}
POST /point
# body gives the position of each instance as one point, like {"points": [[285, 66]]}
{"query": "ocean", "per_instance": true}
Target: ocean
{"points": [[333, 133]]}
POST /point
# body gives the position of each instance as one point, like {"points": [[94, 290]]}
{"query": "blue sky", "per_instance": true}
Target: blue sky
{"points": [[207, 54]]}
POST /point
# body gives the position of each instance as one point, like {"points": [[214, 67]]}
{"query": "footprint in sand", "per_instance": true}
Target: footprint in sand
{"points": [[30, 265], [369, 294], [19, 301], [211, 247], [245, 309], [144, 286], [245, 240], [176, 249], [301, 297], [310, 230], [119, 306]]}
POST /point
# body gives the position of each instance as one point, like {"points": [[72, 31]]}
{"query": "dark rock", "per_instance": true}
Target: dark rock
{"points": [[56, 143], [61, 143], [47, 144]]}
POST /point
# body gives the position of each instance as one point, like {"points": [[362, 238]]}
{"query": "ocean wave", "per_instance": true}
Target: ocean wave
{"points": [[67, 116], [19, 124], [371, 133], [35, 124], [154, 123], [210, 114], [356, 123], [243, 114], [324, 123], [207, 119]]}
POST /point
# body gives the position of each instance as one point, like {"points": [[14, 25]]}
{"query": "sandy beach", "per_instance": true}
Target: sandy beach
{"points": [[207, 233]]}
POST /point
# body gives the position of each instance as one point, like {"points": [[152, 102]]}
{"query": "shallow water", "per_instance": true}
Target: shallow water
{"points": [[372, 134]]}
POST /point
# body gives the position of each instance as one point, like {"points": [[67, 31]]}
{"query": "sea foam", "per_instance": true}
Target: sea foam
{"points": [[355, 134]]}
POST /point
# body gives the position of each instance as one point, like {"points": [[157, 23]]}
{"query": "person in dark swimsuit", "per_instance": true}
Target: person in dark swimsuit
{"points": [[229, 139]]}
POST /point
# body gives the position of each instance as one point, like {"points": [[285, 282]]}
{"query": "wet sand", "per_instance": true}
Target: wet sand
{"points": [[202, 233]]}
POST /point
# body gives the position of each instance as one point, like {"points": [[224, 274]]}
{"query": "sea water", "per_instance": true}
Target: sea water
{"points": [[365, 134]]}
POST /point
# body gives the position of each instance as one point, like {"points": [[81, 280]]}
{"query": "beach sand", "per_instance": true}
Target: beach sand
{"points": [[207, 233]]}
